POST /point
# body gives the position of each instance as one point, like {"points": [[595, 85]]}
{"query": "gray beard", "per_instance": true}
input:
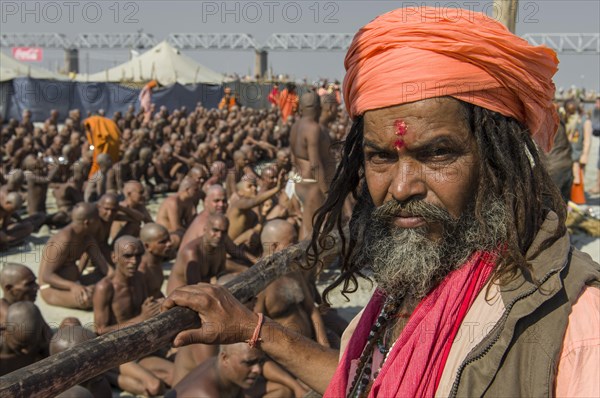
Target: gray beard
{"points": [[405, 262]]}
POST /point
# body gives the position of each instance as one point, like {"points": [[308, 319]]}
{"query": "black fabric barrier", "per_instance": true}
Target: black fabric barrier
{"points": [[40, 96]]}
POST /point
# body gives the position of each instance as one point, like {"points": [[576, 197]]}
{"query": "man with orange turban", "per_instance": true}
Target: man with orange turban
{"points": [[479, 291]]}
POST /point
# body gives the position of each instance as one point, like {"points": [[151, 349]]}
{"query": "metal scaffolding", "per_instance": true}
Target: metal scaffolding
{"points": [[210, 41], [562, 43], [567, 43]]}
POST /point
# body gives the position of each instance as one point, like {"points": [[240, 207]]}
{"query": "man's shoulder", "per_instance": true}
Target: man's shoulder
{"points": [[105, 286], [585, 266]]}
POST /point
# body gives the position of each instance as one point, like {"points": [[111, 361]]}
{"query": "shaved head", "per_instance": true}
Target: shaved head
{"points": [[24, 326], [13, 199], [216, 199], [131, 185], [187, 183], [277, 235], [217, 217], [310, 100], [214, 190], [126, 241], [151, 232], [84, 211], [234, 349], [11, 273], [69, 336], [108, 198], [104, 159]]}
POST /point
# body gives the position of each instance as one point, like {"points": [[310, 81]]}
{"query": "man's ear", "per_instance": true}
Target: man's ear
{"points": [[113, 257]]}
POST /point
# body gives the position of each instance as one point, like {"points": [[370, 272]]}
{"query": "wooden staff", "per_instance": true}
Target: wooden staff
{"points": [[59, 372]]}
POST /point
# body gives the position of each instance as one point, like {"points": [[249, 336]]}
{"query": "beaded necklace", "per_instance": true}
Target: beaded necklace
{"points": [[360, 386]]}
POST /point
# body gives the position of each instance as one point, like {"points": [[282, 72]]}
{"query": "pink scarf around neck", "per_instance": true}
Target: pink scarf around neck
{"points": [[415, 364]]}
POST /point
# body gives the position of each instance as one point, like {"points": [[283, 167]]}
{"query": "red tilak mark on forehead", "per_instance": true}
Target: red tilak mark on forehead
{"points": [[401, 130], [400, 126], [399, 144]]}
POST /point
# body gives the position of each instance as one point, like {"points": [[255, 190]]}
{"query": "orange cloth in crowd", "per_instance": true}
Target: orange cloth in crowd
{"points": [[223, 103], [104, 135], [288, 104], [399, 57], [577, 191]]}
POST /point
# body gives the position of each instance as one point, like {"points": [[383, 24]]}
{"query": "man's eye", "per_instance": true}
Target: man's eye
{"points": [[439, 154], [378, 157]]}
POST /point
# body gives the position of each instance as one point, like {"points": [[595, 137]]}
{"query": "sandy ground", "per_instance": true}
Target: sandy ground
{"points": [[30, 254]]}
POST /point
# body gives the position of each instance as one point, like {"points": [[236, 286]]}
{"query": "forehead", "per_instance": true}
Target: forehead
{"points": [[217, 195], [108, 204], [219, 223], [131, 247], [269, 173], [424, 119], [162, 235], [25, 274], [250, 355]]}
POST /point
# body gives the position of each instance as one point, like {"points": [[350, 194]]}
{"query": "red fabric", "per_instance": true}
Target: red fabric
{"points": [[415, 364], [415, 53]]}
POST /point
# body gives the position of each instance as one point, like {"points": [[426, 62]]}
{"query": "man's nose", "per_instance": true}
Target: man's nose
{"points": [[256, 368], [408, 181]]}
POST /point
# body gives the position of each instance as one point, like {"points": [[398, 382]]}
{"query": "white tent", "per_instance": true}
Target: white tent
{"points": [[162, 63], [11, 68]]}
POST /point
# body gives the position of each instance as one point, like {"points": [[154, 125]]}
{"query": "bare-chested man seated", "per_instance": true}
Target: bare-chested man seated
{"points": [[288, 300], [214, 202], [68, 336], [68, 194], [203, 258], [157, 243], [121, 300], [135, 205], [235, 369], [240, 213], [61, 281], [23, 340], [38, 179], [177, 211], [13, 230], [18, 283], [310, 147], [108, 211]]}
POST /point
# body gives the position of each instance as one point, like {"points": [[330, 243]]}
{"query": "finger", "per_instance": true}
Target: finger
{"points": [[187, 337], [197, 301]]}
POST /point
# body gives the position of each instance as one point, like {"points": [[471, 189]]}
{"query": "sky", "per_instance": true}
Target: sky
{"points": [[262, 18]]}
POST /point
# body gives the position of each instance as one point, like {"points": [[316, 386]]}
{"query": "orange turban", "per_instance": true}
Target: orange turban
{"points": [[416, 53]]}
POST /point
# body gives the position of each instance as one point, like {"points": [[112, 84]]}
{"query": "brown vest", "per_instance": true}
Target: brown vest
{"points": [[519, 357]]}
